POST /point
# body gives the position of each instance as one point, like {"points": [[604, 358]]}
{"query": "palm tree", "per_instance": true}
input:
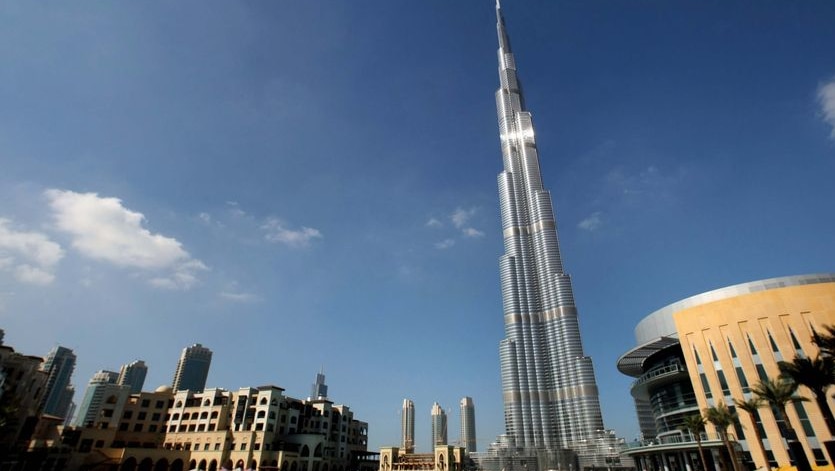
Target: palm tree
{"points": [[721, 417], [695, 424], [817, 375], [826, 340], [751, 406], [778, 393]]}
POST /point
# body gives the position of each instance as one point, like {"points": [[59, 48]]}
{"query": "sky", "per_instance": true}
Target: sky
{"points": [[311, 185]]}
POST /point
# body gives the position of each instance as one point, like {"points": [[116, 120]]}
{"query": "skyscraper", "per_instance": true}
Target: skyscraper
{"points": [[439, 436], [59, 366], [133, 375], [550, 394], [193, 369], [407, 426], [468, 424], [319, 390], [102, 387]]}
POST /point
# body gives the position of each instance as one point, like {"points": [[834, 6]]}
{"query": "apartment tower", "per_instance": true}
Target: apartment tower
{"points": [[193, 369], [439, 436], [133, 375], [468, 424], [550, 394], [59, 366], [407, 426]]}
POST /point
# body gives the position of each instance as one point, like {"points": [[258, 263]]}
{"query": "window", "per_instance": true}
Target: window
{"points": [[731, 347], [724, 383], [176, 417], [206, 447], [742, 381], [705, 385], [804, 420], [751, 346], [146, 402], [713, 353], [142, 416], [107, 412], [152, 428], [698, 360], [243, 446], [123, 427], [217, 446], [155, 417], [128, 414], [137, 427], [159, 405]]}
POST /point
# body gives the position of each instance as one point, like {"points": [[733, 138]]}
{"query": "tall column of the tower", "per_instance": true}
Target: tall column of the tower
{"points": [[550, 395]]}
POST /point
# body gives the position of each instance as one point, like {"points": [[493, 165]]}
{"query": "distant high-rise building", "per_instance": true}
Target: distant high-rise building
{"points": [[133, 375], [59, 366], [193, 369], [550, 394], [439, 436], [407, 426], [468, 424], [103, 387], [319, 390]]}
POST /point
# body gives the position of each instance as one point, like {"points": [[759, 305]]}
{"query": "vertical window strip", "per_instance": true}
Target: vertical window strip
{"points": [[751, 345]]}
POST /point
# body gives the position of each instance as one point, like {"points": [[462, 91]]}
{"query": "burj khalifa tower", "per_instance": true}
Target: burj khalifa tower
{"points": [[550, 394]]}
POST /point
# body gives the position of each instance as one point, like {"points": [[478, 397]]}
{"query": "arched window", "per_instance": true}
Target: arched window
{"points": [[305, 451], [214, 414], [318, 451], [207, 402], [260, 415], [186, 416], [176, 417], [204, 415], [272, 414], [179, 404], [263, 401]]}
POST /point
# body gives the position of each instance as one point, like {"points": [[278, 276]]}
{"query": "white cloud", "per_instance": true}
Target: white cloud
{"points": [[205, 217], [472, 232], [239, 297], [432, 222], [30, 256], [445, 244], [277, 232], [826, 97], [461, 216], [103, 229], [183, 277], [591, 223]]}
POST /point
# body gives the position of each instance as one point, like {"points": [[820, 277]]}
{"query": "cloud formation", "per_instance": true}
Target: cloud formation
{"points": [[461, 216], [103, 229], [445, 244], [591, 223], [472, 232], [30, 256], [433, 222], [239, 297], [279, 233], [826, 97]]}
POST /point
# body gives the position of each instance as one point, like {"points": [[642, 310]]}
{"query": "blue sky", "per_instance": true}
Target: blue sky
{"points": [[306, 185]]}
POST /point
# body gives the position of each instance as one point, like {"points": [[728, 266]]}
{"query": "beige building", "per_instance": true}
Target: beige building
{"points": [[710, 349], [22, 385], [443, 458], [252, 428]]}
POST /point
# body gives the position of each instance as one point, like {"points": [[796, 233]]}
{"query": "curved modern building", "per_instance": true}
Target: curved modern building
{"points": [[710, 349]]}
